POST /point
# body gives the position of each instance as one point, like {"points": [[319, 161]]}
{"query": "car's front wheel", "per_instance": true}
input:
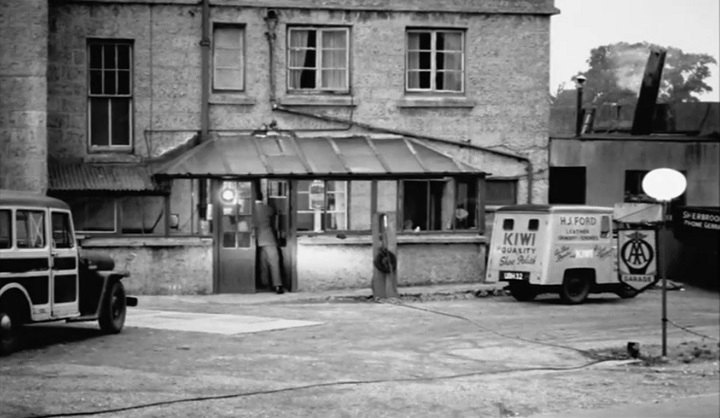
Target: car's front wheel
{"points": [[113, 309], [9, 336]]}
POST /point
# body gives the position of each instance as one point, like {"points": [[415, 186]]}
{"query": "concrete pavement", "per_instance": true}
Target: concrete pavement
{"points": [[704, 406]]}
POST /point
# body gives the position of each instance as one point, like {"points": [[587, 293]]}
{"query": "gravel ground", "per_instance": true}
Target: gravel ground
{"points": [[452, 355]]}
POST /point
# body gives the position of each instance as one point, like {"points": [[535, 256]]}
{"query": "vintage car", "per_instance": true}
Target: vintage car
{"points": [[44, 275]]}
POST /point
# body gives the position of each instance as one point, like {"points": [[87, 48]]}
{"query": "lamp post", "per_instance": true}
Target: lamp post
{"points": [[664, 185], [579, 84]]}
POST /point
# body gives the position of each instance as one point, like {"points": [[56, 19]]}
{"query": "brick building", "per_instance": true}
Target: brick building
{"points": [[140, 112]]}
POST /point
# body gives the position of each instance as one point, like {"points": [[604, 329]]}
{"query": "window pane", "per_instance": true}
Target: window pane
{"points": [[335, 39], [95, 56], [424, 40], [109, 82], [99, 122], [5, 231], [92, 214], [302, 79], [467, 208], [297, 59], [449, 41], [449, 61], [96, 82], [415, 202], [333, 59], [500, 192], [227, 58], [228, 79], [120, 121], [424, 79], [123, 52], [142, 214], [333, 79], [123, 82], [61, 231], [30, 229], [302, 38], [447, 80], [109, 57], [227, 37]]}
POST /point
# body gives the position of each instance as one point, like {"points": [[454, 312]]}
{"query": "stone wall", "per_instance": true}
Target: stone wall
{"points": [[160, 266], [328, 263], [504, 107], [23, 95]]}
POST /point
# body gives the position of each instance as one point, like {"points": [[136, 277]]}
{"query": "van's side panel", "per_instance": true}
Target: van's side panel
{"points": [[582, 241]]}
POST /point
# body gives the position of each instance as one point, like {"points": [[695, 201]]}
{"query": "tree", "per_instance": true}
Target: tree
{"points": [[616, 70]]}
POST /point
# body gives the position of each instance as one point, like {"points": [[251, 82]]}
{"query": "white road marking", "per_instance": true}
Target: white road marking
{"points": [[209, 323]]}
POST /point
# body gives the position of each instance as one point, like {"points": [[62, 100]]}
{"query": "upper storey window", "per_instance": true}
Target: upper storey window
{"points": [[318, 59], [228, 57], [435, 60], [110, 99]]}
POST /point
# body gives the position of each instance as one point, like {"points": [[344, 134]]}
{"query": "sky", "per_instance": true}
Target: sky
{"points": [[691, 25]]}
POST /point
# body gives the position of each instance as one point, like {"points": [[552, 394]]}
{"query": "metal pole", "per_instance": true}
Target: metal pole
{"points": [[579, 111], [661, 264]]}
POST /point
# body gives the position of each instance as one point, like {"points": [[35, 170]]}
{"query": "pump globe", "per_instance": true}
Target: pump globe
{"points": [[664, 184]]}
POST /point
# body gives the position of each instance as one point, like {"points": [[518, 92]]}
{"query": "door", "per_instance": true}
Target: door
{"points": [[234, 236], [64, 265], [278, 193]]}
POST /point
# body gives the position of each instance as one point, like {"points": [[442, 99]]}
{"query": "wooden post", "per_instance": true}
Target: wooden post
{"points": [[384, 246]]}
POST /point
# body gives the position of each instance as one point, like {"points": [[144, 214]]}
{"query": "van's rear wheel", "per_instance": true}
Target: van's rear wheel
{"points": [[113, 309], [9, 335], [575, 289], [522, 292]]}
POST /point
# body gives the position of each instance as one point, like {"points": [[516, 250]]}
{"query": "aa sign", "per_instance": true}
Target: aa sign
{"points": [[637, 258]]}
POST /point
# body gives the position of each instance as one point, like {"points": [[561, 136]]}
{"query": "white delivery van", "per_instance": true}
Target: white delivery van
{"points": [[564, 249]]}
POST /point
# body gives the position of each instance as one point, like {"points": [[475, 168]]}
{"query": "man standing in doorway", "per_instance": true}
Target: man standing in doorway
{"points": [[263, 217]]}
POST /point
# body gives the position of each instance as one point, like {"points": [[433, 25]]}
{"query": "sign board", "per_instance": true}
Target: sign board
{"points": [[317, 195], [637, 258], [638, 212], [697, 224]]}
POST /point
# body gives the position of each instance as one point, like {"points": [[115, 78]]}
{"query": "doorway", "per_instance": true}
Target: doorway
{"points": [[234, 237], [236, 253]]}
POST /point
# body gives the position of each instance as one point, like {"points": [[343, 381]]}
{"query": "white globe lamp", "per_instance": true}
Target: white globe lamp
{"points": [[664, 184]]}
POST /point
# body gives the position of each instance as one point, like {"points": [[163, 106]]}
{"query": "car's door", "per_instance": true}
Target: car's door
{"points": [[64, 265]]}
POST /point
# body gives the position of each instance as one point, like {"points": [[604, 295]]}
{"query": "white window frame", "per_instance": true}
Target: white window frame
{"points": [[103, 43], [433, 60], [241, 51], [318, 214], [318, 58]]}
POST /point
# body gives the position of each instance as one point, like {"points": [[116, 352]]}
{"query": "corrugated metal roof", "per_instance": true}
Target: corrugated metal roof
{"points": [[291, 156], [100, 177]]}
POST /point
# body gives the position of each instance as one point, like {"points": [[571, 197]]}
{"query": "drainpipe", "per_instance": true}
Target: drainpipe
{"points": [[204, 98], [271, 21], [524, 160]]}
